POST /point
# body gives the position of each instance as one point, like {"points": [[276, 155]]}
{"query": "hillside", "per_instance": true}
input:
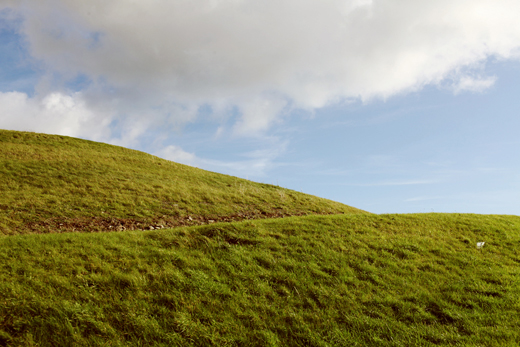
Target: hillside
{"points": [[230, 273], [343, 280], [54, 183]]}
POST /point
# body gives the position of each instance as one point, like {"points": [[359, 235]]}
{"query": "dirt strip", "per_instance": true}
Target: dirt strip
{"points": [[100, 224]]}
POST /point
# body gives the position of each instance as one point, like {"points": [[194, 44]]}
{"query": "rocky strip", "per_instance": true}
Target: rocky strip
{"points": [[100, 224]]}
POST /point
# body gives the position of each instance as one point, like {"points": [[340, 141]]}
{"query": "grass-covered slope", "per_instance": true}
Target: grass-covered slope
{"points": [[55, 183], [344, 280]]}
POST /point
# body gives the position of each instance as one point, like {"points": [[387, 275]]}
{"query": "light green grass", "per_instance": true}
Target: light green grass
{"points": [[346, 280], [54, 183]]}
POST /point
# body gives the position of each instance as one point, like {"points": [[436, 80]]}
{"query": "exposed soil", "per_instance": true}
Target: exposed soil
{"points": [[100, 224]]}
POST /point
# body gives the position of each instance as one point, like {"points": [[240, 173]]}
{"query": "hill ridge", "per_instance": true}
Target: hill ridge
{"points": [[53, 183]]}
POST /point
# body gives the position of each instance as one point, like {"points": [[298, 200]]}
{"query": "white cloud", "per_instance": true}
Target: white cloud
{"points": [[178, 155], [468, 83], [425, 198], [262, 57], [396, 183], [56, 113], [259, 113], [255, 164]]}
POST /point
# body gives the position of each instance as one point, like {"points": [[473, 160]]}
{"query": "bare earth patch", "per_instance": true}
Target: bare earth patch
{"points": [[100, 224]]}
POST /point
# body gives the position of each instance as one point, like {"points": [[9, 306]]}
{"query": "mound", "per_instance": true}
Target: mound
{"points": [[52, 183]]}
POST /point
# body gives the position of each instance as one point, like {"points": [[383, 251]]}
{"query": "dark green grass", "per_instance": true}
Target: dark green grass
{"points": [[54, 183], [346, 280]]}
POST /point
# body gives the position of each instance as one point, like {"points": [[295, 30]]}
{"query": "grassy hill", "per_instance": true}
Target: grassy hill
{"points": [[344, 280], [54, 183], [229, 274]]}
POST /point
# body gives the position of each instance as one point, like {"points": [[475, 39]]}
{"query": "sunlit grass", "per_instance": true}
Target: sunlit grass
{"points": [[346, 280], [353, 279], [54, 183]]}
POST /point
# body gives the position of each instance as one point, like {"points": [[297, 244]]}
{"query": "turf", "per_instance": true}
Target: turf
{"points": [[52, 183], [345, 280], [229, 273]]}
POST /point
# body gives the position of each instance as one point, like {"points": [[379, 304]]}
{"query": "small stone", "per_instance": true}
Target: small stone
{"points": [[189, 218], [211, 221], [151, 227]]}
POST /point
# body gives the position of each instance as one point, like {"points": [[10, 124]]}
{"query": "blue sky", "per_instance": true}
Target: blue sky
{"points": [[388, 106]]}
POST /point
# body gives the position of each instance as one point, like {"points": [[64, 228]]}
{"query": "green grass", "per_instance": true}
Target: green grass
{"points": [[52, 183], [344, 280], [349, 279]]}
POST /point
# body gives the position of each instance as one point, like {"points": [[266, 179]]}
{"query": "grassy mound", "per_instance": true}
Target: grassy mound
{"points": [[55, 183], [343, 280]]}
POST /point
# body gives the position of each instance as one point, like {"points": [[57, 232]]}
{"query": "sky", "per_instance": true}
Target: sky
{"points": [[391, 106]]}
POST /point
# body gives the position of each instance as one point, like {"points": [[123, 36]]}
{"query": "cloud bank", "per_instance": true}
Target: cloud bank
{"points": [[157, 63], [55, 113]]}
